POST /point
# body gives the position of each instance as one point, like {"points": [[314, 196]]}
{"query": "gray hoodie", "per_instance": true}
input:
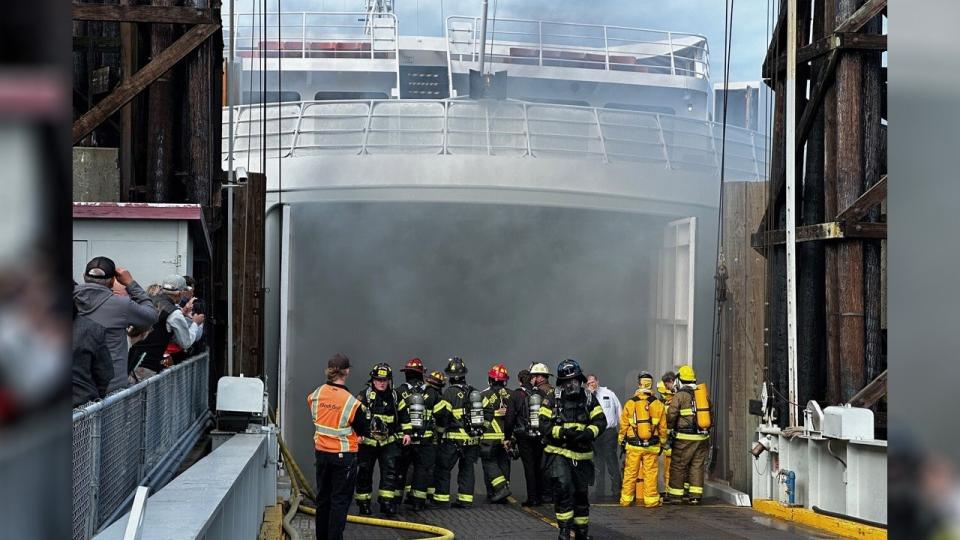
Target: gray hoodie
{"points": [[115, 313]]}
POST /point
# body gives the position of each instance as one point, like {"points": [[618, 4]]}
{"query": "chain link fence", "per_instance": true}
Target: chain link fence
{"points": [[119, 440]]}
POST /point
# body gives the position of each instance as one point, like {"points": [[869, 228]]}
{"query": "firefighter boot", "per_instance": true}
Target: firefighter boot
{"points": [[364, 508], [388, 508], [565, 533], [419, 504], [582, 533], [501, 493]]}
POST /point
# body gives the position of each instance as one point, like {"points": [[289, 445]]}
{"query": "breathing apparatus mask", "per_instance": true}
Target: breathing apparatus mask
{"points": [[571, 387]]}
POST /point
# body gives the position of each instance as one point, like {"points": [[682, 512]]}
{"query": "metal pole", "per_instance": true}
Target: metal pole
{"points": [[791, 173], [230, 275], [483, 36]]}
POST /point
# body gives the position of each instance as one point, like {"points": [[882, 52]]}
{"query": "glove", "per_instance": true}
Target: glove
{"points": [[571, 434], [623, 448], [584, 436]]}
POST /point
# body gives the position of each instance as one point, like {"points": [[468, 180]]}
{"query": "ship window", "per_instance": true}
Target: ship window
{"points": [[271, 97], [640, 108], [337, 96]]}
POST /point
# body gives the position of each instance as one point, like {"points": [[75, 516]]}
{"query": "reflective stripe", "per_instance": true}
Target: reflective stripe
{"points": [[387, 418], [386, 494], [692, 437], [546, 411], [441, 405], [492, 436], [579, 456], [456, 435], [564, 516], [597, 411], [420, 494], [581, 520], [441, 497], [651, 500], [576, 425], [406, 427], [462, 497], [457, 413], [686, 412], [497, 481], [363, 496], [595, 430], [696, 490], [332, 432], [675, 492], [431, 490], [556, 432], [654, 449]]}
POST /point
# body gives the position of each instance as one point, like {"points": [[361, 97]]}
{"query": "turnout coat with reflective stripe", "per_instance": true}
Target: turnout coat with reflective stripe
{"points": [[333, 409], [579, 414]]}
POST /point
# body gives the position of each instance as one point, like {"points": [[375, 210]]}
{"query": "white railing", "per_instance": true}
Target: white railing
{"points": [[310, 34], [508, 128], [585, 46]]}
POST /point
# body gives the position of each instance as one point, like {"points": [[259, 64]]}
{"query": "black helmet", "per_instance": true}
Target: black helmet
{"points": [[381, 371], [570, 369], [455, 367]]}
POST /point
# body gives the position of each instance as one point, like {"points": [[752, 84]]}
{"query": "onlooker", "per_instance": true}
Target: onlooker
{"points": [[92, 364], [147, 356], [605, 445], [195, 306], [95, 301]]}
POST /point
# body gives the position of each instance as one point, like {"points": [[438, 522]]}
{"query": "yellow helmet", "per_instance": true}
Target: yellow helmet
{"points": [[686, 374], [645, 381], [663, 390]]}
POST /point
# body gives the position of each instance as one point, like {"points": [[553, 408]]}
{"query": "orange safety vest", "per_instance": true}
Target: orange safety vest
{"points": [[333, 409]]}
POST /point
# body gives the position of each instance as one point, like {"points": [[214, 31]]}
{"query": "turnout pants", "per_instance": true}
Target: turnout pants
{"points": [[496, 465], [687, 468], [606, 461], [571, 480], [424, 460], [531, 456], [666, 468], [387, 456], [451, 453], [640, 476], [336, 478]]}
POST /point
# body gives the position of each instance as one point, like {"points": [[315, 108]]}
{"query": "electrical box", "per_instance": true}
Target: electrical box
{"points": [[240, 394], [849, 423]]}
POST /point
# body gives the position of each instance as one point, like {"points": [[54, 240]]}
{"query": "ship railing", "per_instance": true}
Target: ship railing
{"points": [[314, 34], [506, 128], [574, 45], [129, 438]]}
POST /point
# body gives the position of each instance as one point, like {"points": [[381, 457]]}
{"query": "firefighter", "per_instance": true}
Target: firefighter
{"points": [[421, 453], [530, 441], [643, 426], [690, 423], [460, 415], [666, 394], [385, 413], [572, 419], [498, 419], [436, 381]]}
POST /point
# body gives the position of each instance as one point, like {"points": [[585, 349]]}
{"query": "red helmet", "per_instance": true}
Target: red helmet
{"points": [[415, 365], [498, 373]]}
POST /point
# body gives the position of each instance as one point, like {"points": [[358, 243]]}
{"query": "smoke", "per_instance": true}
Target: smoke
{"points": [[513, 284]]}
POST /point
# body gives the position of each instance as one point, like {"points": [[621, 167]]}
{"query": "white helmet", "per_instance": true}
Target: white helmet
{"points": [[540, 369]]}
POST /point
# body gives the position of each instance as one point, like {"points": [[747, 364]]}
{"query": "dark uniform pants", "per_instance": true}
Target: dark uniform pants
{"points": [[531, 456], [450, 453], [405, 470], [336, 479], [387, 456], [687, 463], [496, 465], [571, 480], [424, 460]]}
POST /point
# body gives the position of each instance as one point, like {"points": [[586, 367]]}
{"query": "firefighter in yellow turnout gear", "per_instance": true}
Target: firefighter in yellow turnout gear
{"points": [[689, 416], [643, 425], [666, 395]]}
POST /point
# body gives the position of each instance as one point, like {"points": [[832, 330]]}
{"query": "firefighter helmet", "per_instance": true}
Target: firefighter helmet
{"points": [[414, 365], [663, 390], [540, 369], [498, 373], [381, 371], [456, 367], [687, 375], [570, 369], [436, 379]]}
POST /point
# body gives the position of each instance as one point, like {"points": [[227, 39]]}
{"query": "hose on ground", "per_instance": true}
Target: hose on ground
{"points": [[298, 484], [440, 532], [293, 467]]}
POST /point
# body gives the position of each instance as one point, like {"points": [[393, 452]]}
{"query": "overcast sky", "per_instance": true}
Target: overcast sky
{"points": [[693, 16]]}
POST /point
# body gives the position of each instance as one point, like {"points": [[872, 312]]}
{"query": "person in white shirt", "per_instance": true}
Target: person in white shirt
{"points": [[605, 445]]}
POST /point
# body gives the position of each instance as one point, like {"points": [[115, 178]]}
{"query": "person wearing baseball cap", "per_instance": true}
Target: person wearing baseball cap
{"points": [[94, 300], [176, 330], [340, 423]]}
